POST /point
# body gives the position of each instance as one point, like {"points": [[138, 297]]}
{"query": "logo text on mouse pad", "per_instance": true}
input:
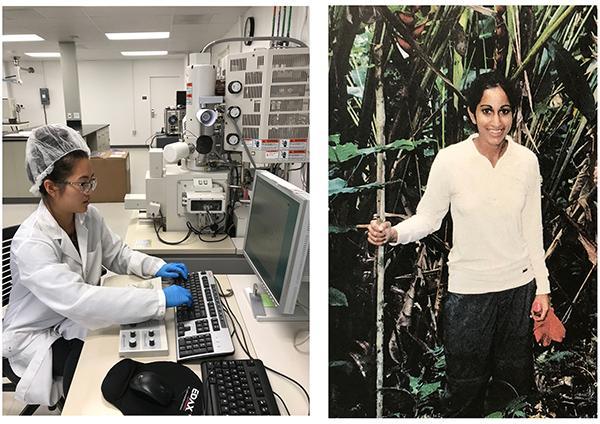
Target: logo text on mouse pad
{"points": [[189, 400]]}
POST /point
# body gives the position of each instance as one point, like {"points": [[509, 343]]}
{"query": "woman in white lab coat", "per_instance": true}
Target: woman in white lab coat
{"points": [[56, 260]]}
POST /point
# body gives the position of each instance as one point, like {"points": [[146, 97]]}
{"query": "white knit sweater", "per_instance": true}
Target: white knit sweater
{"points": [[496, 212]]}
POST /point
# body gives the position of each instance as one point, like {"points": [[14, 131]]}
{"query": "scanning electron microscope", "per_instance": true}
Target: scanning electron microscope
{"points": [[261, 118]]}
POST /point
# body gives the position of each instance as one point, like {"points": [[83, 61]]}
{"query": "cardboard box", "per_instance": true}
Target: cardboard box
{"points": [[112, 172]]}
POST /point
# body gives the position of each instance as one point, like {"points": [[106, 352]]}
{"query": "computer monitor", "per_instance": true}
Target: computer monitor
{"points": [[276, 247]]}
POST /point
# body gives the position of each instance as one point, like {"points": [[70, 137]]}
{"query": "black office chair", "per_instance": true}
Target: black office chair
{"points": [[7, 372]]}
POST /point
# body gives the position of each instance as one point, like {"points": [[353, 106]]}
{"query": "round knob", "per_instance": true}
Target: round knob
{"points": [[132, 343], [234, 87], [132, 334], [151, 333], [204, 144], [234, 112], [232, 139], [151, 342]]}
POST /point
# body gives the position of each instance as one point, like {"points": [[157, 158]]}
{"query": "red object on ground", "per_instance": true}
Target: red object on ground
{"points": [[548, 330]]}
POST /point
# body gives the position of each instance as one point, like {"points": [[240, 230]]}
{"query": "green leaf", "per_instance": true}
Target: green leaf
{"points": [[340, 230], [340, 186], [337, 298], [497, 414], [345, 152], [414, 383], [554, 357], [359, 76], [337, 185], [355, 92], [340, 364], [427, 389], [440, 363]]}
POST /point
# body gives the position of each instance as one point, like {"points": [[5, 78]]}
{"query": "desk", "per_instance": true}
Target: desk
{"points": [[273, 343], [18, 126], [141, 236]]}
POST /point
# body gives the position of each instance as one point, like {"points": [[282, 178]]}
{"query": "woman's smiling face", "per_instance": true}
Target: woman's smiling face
{"points": [[493, 116]]}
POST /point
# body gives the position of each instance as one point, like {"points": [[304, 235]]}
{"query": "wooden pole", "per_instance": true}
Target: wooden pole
{"points": [[380, 263]]}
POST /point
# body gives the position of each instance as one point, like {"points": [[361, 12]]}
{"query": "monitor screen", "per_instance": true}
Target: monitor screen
{"points": [[270, 234]]}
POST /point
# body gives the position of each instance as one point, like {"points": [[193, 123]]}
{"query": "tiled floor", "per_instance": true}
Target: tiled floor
{"points": [[116, 218], [11, 406]]}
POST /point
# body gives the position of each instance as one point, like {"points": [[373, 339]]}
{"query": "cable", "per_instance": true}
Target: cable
{"points": [[289, 25], [45, 117], [278, 19], [246, 351], [151, 138], [237, 128], [284, 405], [296, 344], [210, 45], [171, 243], [199, 232], [298, 168], [213, 241], [293, 381], [188, 131], [283, 22]]}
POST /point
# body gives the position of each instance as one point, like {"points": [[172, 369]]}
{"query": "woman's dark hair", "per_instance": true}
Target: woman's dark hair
{"points": [[63, 168], [490, 80]]}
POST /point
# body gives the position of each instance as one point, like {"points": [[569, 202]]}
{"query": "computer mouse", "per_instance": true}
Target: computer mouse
{"points": [[149, 385]]}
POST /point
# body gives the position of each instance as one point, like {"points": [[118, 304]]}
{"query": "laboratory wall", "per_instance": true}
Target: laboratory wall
{"points": [[112, 92]]}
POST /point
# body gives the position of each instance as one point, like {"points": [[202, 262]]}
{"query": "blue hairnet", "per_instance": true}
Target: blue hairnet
{"points": [[45, 146]]}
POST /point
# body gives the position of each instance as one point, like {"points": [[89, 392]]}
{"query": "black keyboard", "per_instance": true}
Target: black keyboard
{"points": [[237, 387], [202, 330]]}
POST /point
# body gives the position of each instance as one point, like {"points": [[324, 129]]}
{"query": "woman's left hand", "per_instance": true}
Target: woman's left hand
{"points": [[173, 270], [538, 313]]}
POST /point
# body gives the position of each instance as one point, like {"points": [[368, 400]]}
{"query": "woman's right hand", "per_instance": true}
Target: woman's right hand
{"points": [[380, 233], [176, 296]]}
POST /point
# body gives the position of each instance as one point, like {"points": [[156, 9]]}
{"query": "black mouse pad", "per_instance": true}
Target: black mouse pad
{"points": [[183, 382]]}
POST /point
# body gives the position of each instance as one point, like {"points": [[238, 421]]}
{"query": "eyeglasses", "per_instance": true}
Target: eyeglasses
{"points": [[84, 187]]}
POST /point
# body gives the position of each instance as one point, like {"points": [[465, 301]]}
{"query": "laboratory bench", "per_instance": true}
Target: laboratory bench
{"points": [[274, 343], [16, 185]]}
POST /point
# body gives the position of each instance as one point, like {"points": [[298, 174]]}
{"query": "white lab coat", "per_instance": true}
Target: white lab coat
{"points": [[56, 293]]}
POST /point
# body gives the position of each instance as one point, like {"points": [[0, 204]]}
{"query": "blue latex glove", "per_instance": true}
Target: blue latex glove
{"points": [[177, 296], [173, 270]]}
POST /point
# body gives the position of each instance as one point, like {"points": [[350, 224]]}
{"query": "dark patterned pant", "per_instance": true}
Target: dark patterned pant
{"points": [[487, 335], [65, 355]]}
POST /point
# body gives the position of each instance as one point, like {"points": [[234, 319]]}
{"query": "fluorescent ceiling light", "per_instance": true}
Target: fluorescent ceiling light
{"points": [[146, 53], [136, 35], [44, 54], [21, 37]]}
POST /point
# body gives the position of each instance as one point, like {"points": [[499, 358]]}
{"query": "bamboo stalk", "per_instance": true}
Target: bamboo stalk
{"points": [[380, 261], [402, 30], [567, 314], [554, 25], [564, 164]]}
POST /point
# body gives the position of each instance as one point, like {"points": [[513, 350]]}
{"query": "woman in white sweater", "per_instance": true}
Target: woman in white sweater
{"points": [[496, 269]]}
